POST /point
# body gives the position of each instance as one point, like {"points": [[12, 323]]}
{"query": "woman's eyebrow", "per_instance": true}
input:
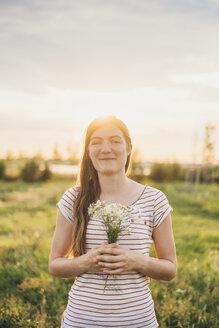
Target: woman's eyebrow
{"points": [[95, 138], [115, 136]]}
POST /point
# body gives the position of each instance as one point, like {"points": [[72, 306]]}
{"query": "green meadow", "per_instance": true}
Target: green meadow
{"points": [[31, 297]]}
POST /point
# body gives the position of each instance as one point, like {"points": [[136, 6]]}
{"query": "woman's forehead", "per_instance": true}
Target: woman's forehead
{"points": [[107, 131]]}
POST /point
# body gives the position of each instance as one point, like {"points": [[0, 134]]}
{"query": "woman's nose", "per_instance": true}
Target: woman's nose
{"points": [[106, 147]]}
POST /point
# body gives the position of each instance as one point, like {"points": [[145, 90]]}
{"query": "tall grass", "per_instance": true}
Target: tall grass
{"points": [[31, 297]]}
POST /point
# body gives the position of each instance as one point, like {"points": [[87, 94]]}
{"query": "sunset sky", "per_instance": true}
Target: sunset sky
{"points": [[154, 64]]}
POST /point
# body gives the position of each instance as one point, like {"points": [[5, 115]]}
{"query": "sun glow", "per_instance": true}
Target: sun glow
{"points": [[62, 116]]}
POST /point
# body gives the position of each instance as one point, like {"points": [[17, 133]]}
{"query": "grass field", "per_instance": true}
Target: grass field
{"points": [[31, 297]]}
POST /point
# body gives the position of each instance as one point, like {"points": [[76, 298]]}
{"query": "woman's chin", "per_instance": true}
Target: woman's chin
{"points": [[109, 171]]}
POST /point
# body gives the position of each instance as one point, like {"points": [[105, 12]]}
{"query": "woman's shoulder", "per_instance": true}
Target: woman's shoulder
{"points": [[152, 190], [152, 193], [66, 203], [145, 190], [72, 192]]}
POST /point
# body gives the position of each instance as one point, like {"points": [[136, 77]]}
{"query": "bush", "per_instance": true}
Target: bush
{"points": [[167, 172], [157, 172], [9, 319], [209, 174], [216, 174], [8, 177], [31, 172], [2, 169], [136, 172], [46, 174]]}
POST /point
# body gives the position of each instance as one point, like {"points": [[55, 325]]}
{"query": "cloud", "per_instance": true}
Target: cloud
{"points": [[153, 62], [103, 45], [67, 110]]}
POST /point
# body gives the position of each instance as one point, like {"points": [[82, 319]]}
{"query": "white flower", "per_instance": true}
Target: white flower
{"points": [[36, 234], [116, 219]]}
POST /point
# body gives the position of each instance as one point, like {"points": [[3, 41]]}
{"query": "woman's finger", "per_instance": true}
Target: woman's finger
{"points": [[111, 266], [100, 245], [111, 250], [112, 245], [109, 259], [114, 272]]}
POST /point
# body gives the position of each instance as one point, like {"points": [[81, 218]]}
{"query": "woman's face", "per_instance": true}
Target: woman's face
{"points": [[108, 150]]}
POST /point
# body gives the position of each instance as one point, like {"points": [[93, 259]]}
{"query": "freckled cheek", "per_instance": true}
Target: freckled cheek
{"points": [[93, 153]]}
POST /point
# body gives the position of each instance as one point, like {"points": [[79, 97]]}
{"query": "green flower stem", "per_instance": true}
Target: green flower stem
{"points": [[105, 285], [112, 237]]}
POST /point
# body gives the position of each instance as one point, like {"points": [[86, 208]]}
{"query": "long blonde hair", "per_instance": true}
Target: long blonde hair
{"points": [[89, 182]]}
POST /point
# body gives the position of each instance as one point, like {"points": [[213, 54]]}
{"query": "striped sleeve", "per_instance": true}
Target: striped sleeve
{"points": [[161, 209], [66, 203]]}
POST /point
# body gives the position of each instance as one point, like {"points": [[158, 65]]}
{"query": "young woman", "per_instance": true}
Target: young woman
{"points": [[127, 302]]}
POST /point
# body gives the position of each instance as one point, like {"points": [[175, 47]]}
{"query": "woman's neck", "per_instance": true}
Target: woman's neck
{"points": [[113, 185], [119, 189]]}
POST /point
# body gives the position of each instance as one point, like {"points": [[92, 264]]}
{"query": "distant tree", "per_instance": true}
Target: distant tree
{"points": [[158, 172], [56, 153], [72, 153], [167, 172], [209, 144], [45, 174], [176, 172], [2, 169], [208, 153], [216, 174], [9, 155], [21, 155], [30, 172], [136, 170], [39, 155]]}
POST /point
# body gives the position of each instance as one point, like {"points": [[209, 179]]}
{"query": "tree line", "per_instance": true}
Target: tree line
{"points": [[34, 170], [171, 172]]}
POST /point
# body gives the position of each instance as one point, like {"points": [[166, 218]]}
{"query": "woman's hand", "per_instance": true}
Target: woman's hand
{"points": [[115, 259], [92, 256], [164, 267]]}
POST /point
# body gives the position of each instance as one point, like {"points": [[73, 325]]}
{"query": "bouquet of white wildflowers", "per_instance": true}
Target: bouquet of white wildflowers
{"points": [[116, 219]]}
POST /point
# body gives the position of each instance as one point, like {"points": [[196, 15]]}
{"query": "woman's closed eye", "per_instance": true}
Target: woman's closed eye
{"points": [[115, 140], [95, 143]]}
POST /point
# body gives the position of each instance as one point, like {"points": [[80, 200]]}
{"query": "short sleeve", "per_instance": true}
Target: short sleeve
{"points": [[161, 209], [66, 203]]}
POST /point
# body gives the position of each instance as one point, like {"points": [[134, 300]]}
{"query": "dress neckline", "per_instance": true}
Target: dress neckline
{"points": [[139, 197]]}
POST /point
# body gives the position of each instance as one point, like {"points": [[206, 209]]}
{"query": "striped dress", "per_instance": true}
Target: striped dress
{"points": [[127, 300]]}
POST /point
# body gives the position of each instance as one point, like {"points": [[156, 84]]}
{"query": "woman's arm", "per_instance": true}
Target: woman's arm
{"points": [[163, 267], [59, 264]]}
